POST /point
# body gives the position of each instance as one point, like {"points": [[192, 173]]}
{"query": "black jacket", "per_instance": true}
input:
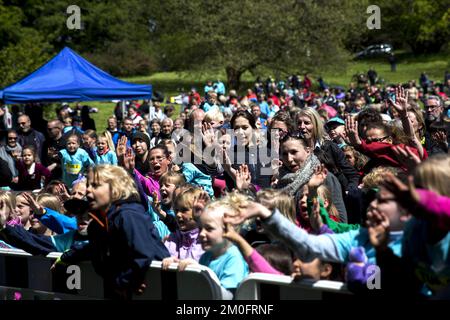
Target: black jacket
{"points": [[258, 161], [334, 159], [5, 174], [26, 240], [121, 247]]}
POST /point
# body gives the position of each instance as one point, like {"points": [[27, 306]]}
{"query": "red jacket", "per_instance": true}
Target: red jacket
{"points": [[382, 153]]}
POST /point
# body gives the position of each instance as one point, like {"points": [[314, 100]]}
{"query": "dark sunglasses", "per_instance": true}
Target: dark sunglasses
{"points": [[284, 136], [377, 139]]}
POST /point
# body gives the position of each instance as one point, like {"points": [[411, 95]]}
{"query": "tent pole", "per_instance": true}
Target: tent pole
{"points": [[124, 110]]}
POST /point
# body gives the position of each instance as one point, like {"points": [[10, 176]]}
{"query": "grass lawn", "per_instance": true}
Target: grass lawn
{"points": [[409, 67]]}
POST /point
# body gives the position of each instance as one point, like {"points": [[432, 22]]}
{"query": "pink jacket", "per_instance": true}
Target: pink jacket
{"points": [[257, 263], [435, 208]]}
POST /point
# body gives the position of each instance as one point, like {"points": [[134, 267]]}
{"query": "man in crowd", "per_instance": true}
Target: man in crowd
{"points": [[28, 136]]}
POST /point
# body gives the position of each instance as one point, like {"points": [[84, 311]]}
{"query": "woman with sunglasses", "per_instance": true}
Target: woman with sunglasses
{"points": [[381, 146], [11, 151]]}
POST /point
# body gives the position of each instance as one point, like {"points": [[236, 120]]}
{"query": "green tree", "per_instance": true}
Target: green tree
{"points": [[22, 49], [250, 35], [424, 25]]}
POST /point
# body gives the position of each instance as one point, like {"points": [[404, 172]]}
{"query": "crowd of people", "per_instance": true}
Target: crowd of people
{"points": [[287, 179]]}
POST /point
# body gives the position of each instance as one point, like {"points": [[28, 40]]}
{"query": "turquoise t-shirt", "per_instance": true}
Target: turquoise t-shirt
{"points": [[230, 267], [64, 242], [74, 164], [194, 176], [160, 226], [360, 238], [107, 158]]}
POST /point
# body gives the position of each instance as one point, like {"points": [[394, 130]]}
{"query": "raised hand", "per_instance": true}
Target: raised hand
{"points": [[406, 157], [36, 207], [401, 101], [351, 128], [251, 210], [243, 178], [61, 192], [378, 227], [199, 204], [227, 163], [156, 205], [121, 147], [407, 195], [129, 160], [230, 233], [208, 134], [318, 178], [315, 219]]}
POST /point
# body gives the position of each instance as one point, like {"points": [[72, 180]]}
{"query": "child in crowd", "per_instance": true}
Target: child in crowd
{"points": [[74, 160], [184, 243], [32, 174], [214, 118], [7, 208], [221, 255], [325, 195], [105, 150], [163, 209], [89, 138], [23, 210]]}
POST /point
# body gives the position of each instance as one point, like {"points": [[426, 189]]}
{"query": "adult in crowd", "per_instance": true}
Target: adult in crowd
{"points": [[27, 136]]}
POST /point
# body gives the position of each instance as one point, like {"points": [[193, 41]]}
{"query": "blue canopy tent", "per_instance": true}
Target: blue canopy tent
{"points": [[69, 77]]}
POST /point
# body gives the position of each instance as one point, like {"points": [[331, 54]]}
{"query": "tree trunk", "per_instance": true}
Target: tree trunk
{"points": [[233, 78]]}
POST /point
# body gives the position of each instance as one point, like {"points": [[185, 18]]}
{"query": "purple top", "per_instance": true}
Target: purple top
{"points": [[184, 245], [257, 263], [32, 181], [149, 183]]}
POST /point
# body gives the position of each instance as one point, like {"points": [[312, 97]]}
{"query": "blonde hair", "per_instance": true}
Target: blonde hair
{"points": [[214, 115], [325, 194], [376, 176], [434, 174], [272, 199], [318, 130], [172, 177], [9, 199], [121, 184], [48, 200], [185, 199], [107, 135], [231, 203]]}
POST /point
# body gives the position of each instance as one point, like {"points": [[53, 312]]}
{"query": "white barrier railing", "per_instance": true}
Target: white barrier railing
{"points": [[19, 269], [31, 277], [263, 286]]}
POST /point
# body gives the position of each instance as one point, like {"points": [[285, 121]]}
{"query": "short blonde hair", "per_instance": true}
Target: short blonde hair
{"points": [[318, 130], [272, 199], [434, 174], [50, 201], [185, 199], [214, 115], [231, 203], [172, 177], [376, 176], [121, 184]]}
